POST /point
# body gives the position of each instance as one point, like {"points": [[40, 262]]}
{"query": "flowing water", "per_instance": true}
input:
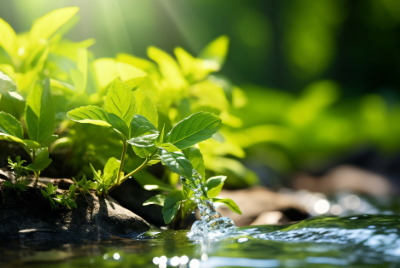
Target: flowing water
{"points": [[355, 241]]}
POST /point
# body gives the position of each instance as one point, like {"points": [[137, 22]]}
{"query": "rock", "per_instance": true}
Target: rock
{"points": [[271, 218], [31, 217], [346, 178], [131, 196], [254, 201]]}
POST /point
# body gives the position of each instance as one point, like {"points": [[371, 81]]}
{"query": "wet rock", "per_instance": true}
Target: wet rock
{"points": [[131, 196], [254, 201], [30, 217]]}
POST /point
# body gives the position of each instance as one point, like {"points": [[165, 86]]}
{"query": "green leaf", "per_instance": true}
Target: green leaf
{"points": [[8, 38], [229, 203], [46, 26], [120, 101], [119, 125], [156, 200], [90, 115], [194, 129], [6, 84], [97, 175], [168, 67], [216, 51], [169, 147], [177, 163], [10, 126], [171, 205], [149, 182], [196, 158], [39, 113], [131, 75], [50, 140], [144, 137], [214, 185], [146, 107], [42, 160], [144, 152], [79, 75], [137, 122], [32, 144], [10, 138], [111, 166]]}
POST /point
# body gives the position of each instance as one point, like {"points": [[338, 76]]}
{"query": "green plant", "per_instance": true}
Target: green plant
{"points": [[67, 199], [83, 185], [47, 192], [20, 174], [64, 200], [148, 143], [39, 120]]}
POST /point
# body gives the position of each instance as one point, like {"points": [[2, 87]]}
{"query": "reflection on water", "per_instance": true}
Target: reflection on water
{"points": [[356, 241]]}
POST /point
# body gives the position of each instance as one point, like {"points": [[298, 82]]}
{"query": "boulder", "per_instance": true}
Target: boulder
{"points": [[30, 217]]}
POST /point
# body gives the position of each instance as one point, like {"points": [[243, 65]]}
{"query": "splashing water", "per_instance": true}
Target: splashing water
{"points": [[211, 224]]}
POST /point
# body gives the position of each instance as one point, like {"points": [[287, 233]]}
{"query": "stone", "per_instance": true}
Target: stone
{"points": [[95, 218]]}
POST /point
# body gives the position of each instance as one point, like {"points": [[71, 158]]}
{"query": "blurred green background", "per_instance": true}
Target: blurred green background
{"points": [[321, 77]]}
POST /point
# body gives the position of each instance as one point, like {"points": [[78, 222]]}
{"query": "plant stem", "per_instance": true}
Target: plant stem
{"points": [[139, 168], [122, 161]]}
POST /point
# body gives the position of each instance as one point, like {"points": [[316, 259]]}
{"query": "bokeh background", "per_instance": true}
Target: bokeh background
{"points": [[321, 77]]}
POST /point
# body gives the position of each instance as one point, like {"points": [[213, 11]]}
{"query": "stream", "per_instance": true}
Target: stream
{"points": [[354, 241]]}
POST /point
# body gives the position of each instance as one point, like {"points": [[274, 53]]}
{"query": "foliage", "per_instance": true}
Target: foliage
{"points": [[57, 201], [83, 185], [47, 192], [127, 96], [20, 173], [39, 120]]}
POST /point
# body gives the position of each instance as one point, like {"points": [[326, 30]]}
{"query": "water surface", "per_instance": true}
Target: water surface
{"points": [[356, 241]]}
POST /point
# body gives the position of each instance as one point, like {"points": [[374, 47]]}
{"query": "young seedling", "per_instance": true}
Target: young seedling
{"points": [[47, 192], [64, 200], [67, 200], [104, 181], [39, 120], [20, 173], [83, 185]]}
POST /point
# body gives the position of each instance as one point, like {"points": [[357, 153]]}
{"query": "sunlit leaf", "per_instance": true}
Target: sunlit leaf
{"points": [[6, 84], [146, 107], [177, 163], [194, 129], [119, 125], [46, 26], [169, 147], [214, 185], [168, 67], [10, 126], [90, 115], [105, 70], [79, 75], [215, 52], [39, 113], [120, 101], [8, 38], [42, 160], [156, 200], [229, 203], [196, 158]]}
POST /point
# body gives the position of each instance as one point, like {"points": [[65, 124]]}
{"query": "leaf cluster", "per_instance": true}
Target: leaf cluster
{"points": [[65, 200]]}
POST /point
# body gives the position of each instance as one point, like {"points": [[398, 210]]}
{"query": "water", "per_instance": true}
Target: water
{"points": [[212, 225], [355, 241]]}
